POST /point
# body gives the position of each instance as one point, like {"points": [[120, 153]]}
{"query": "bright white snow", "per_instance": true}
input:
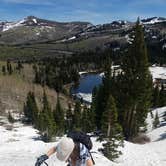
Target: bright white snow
{"points": [[21, 147], [34, 20], [9, 26], [158, 72], [153, 21], [87, 97]]}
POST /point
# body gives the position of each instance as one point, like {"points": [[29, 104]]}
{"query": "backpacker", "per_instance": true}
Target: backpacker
{"points": [[81, 137]]}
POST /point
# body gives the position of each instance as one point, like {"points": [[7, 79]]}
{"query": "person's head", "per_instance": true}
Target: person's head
{"points": [[65, 148]]}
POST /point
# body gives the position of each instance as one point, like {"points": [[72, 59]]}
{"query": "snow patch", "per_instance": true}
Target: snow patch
{"points": [[34, 20], [158, 72], [21, 146], [72, 38], [87, 97], [164, 46], [9, 26], [154, 37], [154, 20]]}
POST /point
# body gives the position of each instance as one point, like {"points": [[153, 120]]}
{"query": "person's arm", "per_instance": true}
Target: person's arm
{"points": [[51, 151], [89, 162]]}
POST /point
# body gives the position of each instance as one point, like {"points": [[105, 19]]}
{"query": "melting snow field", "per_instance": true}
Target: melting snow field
{"points": [[20, 147]]}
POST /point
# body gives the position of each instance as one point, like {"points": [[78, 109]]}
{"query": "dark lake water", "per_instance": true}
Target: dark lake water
{"points": [[87, 83]]}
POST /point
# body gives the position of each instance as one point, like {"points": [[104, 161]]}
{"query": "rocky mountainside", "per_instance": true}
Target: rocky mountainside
{"points": [[33, 29], [54, 38]]}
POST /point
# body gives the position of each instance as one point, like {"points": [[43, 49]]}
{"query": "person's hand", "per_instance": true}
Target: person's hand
{"points": [[41, 159]]}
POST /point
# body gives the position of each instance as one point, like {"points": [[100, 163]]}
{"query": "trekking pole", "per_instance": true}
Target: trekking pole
{"points": [[45, 163]]}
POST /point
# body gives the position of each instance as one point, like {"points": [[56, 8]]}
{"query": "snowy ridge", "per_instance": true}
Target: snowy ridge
{"points": [[153, 20], [9, 26]]}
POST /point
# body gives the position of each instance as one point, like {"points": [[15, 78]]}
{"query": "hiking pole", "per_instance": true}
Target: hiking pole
{"points": [[45, 163], [92, 158]]}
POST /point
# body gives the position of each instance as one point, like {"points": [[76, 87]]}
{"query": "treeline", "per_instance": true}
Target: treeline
{"points": [[57, 72], [121, 103], [9, 69], [58, 121]]}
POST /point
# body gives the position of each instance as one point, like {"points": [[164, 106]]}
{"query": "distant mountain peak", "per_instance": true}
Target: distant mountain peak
{"points": [[153, 20]]}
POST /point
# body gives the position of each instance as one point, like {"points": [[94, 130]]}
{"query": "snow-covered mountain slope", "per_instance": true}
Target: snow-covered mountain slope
{"points": [[36, 30], [20, 147], [153, 20], [11, 25]]}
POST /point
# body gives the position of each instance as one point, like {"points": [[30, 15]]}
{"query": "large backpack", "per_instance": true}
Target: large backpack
{"points": [[81, 137]]}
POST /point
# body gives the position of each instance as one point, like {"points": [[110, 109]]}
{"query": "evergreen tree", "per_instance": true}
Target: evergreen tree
{"points": [[19, 66], [69, 119], [136, 85], [9, 67], [46, 105], [87, 121], [4, 70], [164, 116], [103, 92], [162, 101], [112, 131], [31, 109], [77, 116], [156, 121], [10, 117], [156, 96], [35, 110], [59, 117], [28, 107], [46, 122]]}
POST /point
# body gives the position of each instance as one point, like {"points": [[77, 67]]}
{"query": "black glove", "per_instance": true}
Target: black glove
{"points": [[41, 159]]}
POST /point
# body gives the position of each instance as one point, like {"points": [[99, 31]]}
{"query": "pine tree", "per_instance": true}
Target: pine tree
{"points": [[87, 120], [156, 121], [162, 101], [19, 66], [77, 116], [156, 96], [28, 110], [102, 93], [35, 110], [69, 119], [9, 67], [31, 109], [112, 131], [59, 117], [136, 85], [4, 70], [10, 117], [46, 123], [164, 116]]}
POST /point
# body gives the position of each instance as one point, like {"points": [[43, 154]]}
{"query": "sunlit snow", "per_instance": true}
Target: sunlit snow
{"points": [[21, 146]]}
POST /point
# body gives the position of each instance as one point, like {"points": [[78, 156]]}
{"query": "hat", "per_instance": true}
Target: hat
{"points": [[64, 148]]}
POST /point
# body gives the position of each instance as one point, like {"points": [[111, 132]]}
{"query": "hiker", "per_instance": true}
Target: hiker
{"points": [[76, 154]]}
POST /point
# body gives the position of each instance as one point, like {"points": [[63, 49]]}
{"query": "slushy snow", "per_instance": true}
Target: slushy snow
{"points": [[21, 146]]}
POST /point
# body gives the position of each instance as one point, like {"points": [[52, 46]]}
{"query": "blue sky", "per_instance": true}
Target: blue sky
{"points": [[94, 11]]}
